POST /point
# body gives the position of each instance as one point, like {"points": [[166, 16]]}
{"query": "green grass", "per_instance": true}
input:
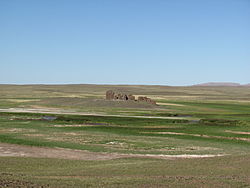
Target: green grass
{"points": [[132, 172], [97, 131], [213, 119]]}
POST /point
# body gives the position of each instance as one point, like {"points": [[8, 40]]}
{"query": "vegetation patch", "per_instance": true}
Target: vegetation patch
{"points": [[220, 122], [203, 122]]}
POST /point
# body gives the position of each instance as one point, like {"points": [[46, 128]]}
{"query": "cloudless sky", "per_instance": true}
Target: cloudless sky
{"points": [[167, 42]]}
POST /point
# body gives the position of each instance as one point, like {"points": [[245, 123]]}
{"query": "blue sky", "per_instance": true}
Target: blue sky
{"points": [[165, 42]]}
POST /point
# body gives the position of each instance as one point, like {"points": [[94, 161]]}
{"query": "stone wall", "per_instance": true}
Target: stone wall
{"points": [[146, 99], [111, 95]]}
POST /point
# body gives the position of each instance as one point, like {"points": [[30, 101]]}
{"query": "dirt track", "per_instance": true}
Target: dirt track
{"points": [[58, 111], [14, 150]]}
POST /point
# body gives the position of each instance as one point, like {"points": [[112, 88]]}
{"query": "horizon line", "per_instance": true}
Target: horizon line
{"points": [[130, 84]]}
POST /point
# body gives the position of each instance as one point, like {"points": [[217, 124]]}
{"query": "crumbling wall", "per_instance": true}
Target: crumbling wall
{"points": [[131, 97], [111, 95], [146, 99]]}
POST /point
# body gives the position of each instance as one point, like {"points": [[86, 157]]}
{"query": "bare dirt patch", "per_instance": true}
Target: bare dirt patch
{"points": [[62, 153], [169, 104], [237, 132], [192, 148], [22, 100], [183, 156], [161, 126], [77, 125], [202, 135], [35, 135], [72, 134], [17, 130]]}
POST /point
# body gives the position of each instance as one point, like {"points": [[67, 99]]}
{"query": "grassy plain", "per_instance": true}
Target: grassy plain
{"points": [[202, 121]]}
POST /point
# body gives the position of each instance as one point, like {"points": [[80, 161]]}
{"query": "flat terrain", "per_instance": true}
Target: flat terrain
{"points": [[70, 136]]}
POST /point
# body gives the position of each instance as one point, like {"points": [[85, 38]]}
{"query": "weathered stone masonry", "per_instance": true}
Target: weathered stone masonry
{"points": [[111, 95]]}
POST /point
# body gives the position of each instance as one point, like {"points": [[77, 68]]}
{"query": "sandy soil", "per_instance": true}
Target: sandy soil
{"points": [[62, 153]]}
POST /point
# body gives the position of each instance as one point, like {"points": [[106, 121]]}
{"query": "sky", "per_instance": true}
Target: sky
{"points": [[155, 42]]}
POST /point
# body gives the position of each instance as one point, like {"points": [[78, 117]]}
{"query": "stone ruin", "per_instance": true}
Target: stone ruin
{"points": [[146, 99], [111, 95]]}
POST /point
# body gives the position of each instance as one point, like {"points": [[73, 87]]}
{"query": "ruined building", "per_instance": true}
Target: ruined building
{"points": [[146, 99], [111, 95]]}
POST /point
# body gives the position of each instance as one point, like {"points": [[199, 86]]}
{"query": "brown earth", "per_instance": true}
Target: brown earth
{"points": [[203, 135], [237, 132], [63, 153]]}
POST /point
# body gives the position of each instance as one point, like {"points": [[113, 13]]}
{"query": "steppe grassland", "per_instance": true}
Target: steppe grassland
{"points": [[210, 121]]}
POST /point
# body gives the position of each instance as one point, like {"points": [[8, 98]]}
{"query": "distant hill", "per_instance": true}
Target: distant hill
{"points": [[219, 84]]}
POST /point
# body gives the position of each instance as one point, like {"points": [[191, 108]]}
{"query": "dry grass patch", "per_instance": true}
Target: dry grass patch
{"points": [[35, 135], [22, 100], [72, 134]]}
